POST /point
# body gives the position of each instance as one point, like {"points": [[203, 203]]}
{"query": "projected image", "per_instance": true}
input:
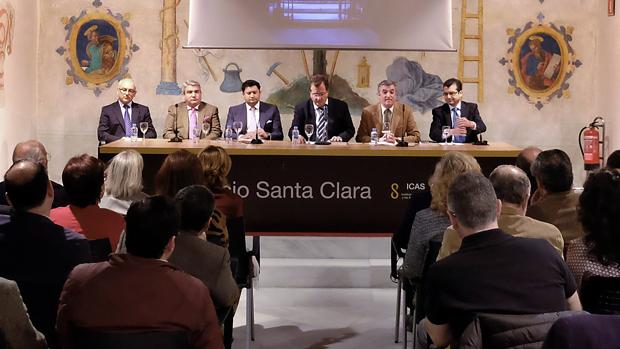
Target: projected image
{"points": [[325, 11]]}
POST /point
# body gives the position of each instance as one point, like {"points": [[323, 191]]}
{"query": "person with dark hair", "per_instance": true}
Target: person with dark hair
{"points": [[195, 255], [34, 252], [613, 160], [216, 164], [179, 170], [189, 116], [83, 179], [329, 116], [555, 201], [598, 252], [481, 276], [255, 112], [111, 295], [463, 118], [524, 161]]}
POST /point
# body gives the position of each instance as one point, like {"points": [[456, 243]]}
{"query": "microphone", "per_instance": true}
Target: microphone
{"points": [[176, 138], [402, 142], [256, 140]]}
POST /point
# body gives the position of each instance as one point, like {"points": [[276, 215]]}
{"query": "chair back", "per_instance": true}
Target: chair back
{"points": [[89, 339], [601, 295], [239, 257], [100, 249], [420, 295]]}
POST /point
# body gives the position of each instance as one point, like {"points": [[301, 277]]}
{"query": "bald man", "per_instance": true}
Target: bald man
{"points": [[524, 161], [35, 151]]}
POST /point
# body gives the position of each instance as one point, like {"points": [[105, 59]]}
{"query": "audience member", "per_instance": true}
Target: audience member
{"points": [[613, 160], [34, 251], [16, 330], [554, 201], [216, 164], [179, 170], [255, 112], [83, 177], [123, 181], [140, 289], [524, 161], [430, 224], [586, 331], [598, 252], [35, 151], [482, 275], [195, 255], [187, 117], [512, 188]]}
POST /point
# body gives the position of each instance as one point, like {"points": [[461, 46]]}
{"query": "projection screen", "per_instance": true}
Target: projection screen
{"points": [[400, 25]]}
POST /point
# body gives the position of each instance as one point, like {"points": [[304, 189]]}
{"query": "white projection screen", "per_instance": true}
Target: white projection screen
{"points": [[400, 25]]}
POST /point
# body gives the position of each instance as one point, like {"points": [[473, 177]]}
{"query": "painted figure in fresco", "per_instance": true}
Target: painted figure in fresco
{"points": [[100, 51], [535, 64]]}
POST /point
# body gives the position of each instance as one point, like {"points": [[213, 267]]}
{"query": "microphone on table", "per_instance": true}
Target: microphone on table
{"points": [[176, 138], [479, 140], [402, 142], [256, 140]]}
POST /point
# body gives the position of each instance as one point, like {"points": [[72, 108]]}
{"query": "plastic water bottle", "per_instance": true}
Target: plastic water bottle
{"points": [[134, 133], [295, 135], [374, 136], [228, 135]]}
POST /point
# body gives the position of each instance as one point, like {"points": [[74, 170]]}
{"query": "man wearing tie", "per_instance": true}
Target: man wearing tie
{"points": [[330, 116], [188, 117], [254, 112], [463, 118], [397, 117], [117, 118]]}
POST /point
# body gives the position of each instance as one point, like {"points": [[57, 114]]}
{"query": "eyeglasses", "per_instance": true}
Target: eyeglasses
{"points": [[126, 90], [451, 93]]}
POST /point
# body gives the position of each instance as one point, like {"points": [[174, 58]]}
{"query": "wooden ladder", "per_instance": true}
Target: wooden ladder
{"points": [[473, 39]]}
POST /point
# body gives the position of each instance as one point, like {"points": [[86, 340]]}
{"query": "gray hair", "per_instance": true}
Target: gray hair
{"points": [[472, 200], [124, 175], [385, 83], [189, 83], [511, 184]]}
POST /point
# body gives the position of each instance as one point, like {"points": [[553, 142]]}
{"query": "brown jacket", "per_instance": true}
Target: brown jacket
{"points": [[402, 120], [559, 209]]}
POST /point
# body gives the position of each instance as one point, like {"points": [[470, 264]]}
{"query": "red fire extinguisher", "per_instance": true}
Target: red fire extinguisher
{"points": [[591, 144]]}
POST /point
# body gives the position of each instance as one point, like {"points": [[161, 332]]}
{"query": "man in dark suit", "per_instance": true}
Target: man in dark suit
{"points": [[117, 118], [463, 118], [330, 116], [268, 115]]}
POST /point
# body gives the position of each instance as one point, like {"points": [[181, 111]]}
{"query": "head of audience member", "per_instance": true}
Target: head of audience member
{"points": [[31, 150], [126, 90], [512, 187], [386, 90], [472, 204], [449, 166], [613, 160], [599, 207], [453, 91], [179, 170], [150, 227], [216, 164], [83, 179], [524, 161], [553, 171], [195, 205], [192, 93], [123, 177], [319, 89], [28, 188], [251, 92]]}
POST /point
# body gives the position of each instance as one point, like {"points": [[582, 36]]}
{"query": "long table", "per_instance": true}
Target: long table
{"points": [[338, 189]]}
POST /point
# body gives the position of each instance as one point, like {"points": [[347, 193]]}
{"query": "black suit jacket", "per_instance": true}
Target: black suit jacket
{"points": [[442, 117], [112, 125], [339, 121], [60, 195]]}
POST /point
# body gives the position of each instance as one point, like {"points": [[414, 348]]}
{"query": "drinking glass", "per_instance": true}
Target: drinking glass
{"points": [[206, 128], [237, 125], [309, 129], [445, 133], [144, 126], [386, 129], [196, 132]]}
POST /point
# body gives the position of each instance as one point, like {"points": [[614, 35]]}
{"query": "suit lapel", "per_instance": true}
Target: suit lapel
{"points": [[182, 123], [447, 115], [118, 113], [262, 115]]}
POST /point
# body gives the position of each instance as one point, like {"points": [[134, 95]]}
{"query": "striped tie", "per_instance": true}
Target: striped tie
{"points": [[455, 116], [322, 125]]}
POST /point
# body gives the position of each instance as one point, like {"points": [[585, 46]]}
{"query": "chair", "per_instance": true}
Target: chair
{"points": [[584, 332], [600, 295], [100, 249], [89, 339], [243, 270]]}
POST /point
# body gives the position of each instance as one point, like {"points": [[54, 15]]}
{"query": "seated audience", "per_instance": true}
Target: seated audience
{"points": [[216, 164], [512, 188], [140, 290], [598, 252], [195, 255], [16, 330], [585, 331], [555, 201], [493, 272], [430, 224], [123, 182], [524, 161], [613, 160], [83, 179], [34, 251], [179, 170], [35, 151]]}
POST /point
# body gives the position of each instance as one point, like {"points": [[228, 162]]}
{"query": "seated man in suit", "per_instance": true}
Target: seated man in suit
{"points": [[397, 116], [117, 118], [187, 118], [463, 118], [254, 111], [330, 116], [140, 290]]}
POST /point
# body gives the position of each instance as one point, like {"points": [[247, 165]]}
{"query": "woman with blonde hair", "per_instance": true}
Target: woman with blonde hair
{"points": [[123, 181], [216, 164]]}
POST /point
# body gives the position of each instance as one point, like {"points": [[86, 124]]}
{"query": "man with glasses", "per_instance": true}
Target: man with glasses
{"points": [[330, 116], [463, 118], [117, 118]]}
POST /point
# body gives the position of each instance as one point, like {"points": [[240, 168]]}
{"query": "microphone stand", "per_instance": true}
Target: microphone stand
{"points": [[176, 138], [256, 140], [402, 142]]}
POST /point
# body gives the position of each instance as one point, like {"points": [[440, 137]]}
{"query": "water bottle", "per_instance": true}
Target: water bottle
{"points": [[134, 133], [295, 135], [228, 135], [374, 136]]}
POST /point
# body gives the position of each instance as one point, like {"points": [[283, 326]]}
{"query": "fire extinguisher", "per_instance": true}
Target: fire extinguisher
{"points": [[591, 144]]}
